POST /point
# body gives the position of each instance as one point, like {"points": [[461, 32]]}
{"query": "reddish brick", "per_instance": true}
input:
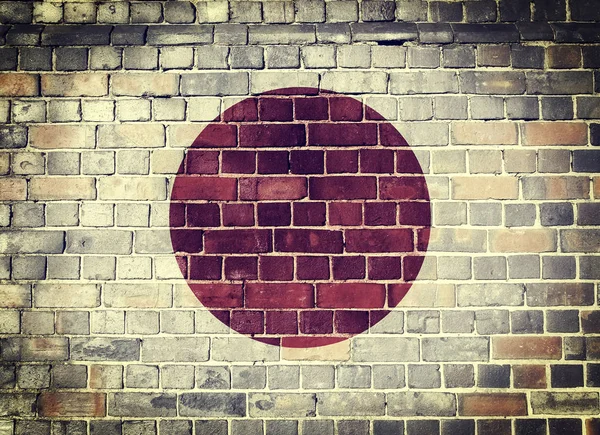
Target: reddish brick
{"points": [[202, 162], [307, 162], [207, 188], [377, 161], [379, 240], [345, 134], [389, 136], [219, 295], [345, 109], [245, 110], [529, 376], [187, 240], [343, 187], [342, 161], [350, 295], [564, 56], [312, 267], [289, 295], [403, 188], [203, 215], [407, 163], [13, 189], [272, 135], [309, 213], [281, 322], [274, 214], [396, 293], [527, 347], [237, 241], [415, 213], [247, 322], [216, 136], [177, 214], [492, 404], [19, 85], [348, 267], [384, 268], [308, 241], [205, 267], [350, 322], [311, 109], [265, 188], [316, 322], [273, 162], [554, 133], [71, 404], [238, 162], [276, 268], [411, 265], [380, 213], [241, 268], [238, 215], [275, 109], [345, 213]]}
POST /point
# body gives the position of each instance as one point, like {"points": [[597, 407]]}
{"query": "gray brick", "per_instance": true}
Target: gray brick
{"points": [[422, 404], [537, 31], [481, 11], [559, 82], [493, 376], [491, 33], [22, 111], [455, 349], [99, 268], [428, 82], [354, 376], [388, 56], [72, 322], [176, 57], [434, 33], [146, 12], [64, 111], [212, 404], [180, 12], [562, 321], [388, 349], [377, 10], [587, 108], [177, 376], [185, 35], [284, 377], [350, 403], [63, 267], [488, 322], [338, 33], [248, 377], [169, 109], [388, 427], [141, 322], [556, 214], [522, 108], [423, 322], [37, 322], [99, 242], [245, 12], [354, 56], [317, 377], [132, 110], [283, 57], [171, 349], [142, 405], [310, 11], [105, 427], [140, 58], [69, 376], [35, 59], [281, 405], [530, 57], [559, 294], [215, 84], [76, 35], [458, 321], [445, 12], [318, 56], [139, 427], [486, 214], [454, 107], [181, 427], [493, 55], [71, 59], [63, 163], [487, 108], [492, 82], [129, 35], [490, 294], [247, 427], [281, 427], [423, 57], [141, 376], [554, 161], [278, 12], [84, 13], [416, 109], [105, 58], [213, 12], [367, 32], [388, 376], [24, 35], [527, 322], [113, 13], [342, 11], [558, 267], [7, 376], [557, 108], [98, 349], [424, 376], [543, 402], [588, 214], [32, 242], [459, 56], [8, 59], [74, 427], [228, 34], [519, 215], [411, 10], [246, 57], [30, 267], [98, 163], [489, 268], [523, 266], [13, 12], [212, 57], [27, 214], [450, 213], [25, 427], [355, 82]]}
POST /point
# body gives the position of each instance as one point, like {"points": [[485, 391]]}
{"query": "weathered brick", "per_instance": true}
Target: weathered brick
{"points": [[423, 82], [13, 189], [492, 82], [504, 404], [455, 349], [485, 187], [66, 295], [34, 349], [571, 403], [136, 84], [31, 242], [175, 349], [99, 349], [282, 34], [75, 85], [142, 404], [17, 405], [457, 240], [422, 404], [385, 349], [71, 404], [523, 240], [15, 295], [490, 294], [19, 85], [559, 82], [355, 82], [552, 133], [183, 35], [212, 404], [235, 83], [337, 404], [527, 347], [281, 405], [60, 188]]}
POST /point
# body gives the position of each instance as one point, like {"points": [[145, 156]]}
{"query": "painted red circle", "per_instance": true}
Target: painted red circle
{"points": [[300, 217]]}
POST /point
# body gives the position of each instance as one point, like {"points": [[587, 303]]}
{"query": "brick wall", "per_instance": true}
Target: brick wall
{"points": [[299, 218]]}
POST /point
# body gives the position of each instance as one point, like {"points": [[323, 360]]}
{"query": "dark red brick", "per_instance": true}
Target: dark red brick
{"points": [[350, 322], [342, 161], [238, 162], [279, 295], [309, 213], [403, 188], [238, 215], [379, 240], [219, 296], [350, 295], [308, 241], [346, 134], [343, 187], [380, 213], [274, 213], [275, 109], [415, 213], [205, 267], [307, 162], [345, 213], [273, 162], [389, 136], [222, 315], [384, 268], [396, 293], [182, 263], [276, 268], [348, 267], [216, 136], [345, 109], [312, 267], [241, 267], [187, 240], [272, 135], [247, 322], [245, 110], [237, 241], [177, 214], [281, 322], [204, 188], [311, 109], [266, 188], [377, 161], [203, 215], [411, 266], [202, 162], [407, 163], [316, 322]]}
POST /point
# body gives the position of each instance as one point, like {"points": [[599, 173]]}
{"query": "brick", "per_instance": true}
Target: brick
{"points": [[289, 405], [527, 56], [421, 403], [13, 189], [31, 242], [355, 82], [282, 34], [142, 404], [526, 348], [263, 81], [185, 35], [237, 241], [61, 136], [484, 187], [75, 85], [546, 133], [273, 188], [555, 188], [490, 294], [34, 349], [135, 84], [423, 82], [558, 403], [375, 10], [19, 85], [492, 82], [559, 294], [493, 55], [559, 82], [379, 240], [59, 404], [60, 188], [338, 33], [456, 240], [18, 405], [580, 240], [522, 240], [360, 404], [282, 57], [66, 295], [15, 295], [492, 404]]}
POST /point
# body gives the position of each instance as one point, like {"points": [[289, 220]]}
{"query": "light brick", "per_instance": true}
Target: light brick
{"points": [[523, 240], [554, 133], [180, 349], [19, 85], [262, 81], [75, 85], [483, 187], [15, 295], [131, 136], [281, 404], [152, 85], [61, 188], [137, 295], [13, 189], [32, 242], [484, 133], [132, 188], [99, 242], [355, 82], [61, 136], [66, 295]]}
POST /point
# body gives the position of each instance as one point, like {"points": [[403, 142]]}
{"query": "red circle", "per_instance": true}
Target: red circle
{"points": [[300, 217]]}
